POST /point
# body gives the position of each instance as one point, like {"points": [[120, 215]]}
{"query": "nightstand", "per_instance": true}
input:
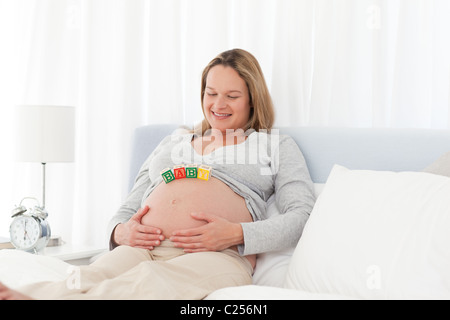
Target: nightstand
{"points": [[72, 253]]}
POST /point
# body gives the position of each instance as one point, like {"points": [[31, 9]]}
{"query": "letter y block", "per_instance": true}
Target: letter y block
{"points": [[204, 172]]}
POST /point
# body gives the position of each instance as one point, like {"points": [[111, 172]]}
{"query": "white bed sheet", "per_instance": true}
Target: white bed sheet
{"points": [[18, 268], [254, 292]]}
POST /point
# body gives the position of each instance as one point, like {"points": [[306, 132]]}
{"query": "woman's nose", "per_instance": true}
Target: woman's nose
{"points": [[220, 102]]}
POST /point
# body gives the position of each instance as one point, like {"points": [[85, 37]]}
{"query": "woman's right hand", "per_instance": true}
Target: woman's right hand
{"points": [[133, 233]]}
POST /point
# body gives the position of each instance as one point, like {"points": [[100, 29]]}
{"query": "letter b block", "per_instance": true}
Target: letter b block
{"points": [[167, 175], [191, 171], [204, 172]]}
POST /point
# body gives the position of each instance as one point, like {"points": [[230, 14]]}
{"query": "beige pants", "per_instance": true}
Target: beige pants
{"points": [[163, 273]]}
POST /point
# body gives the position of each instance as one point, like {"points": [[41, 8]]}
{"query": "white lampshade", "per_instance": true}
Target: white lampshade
{"points": [[45, 133]]}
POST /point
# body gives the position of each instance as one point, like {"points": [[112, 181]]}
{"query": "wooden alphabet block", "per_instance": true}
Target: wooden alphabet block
{"points": [[167, 175], [179, 172], [204, 172], [191, 171]]}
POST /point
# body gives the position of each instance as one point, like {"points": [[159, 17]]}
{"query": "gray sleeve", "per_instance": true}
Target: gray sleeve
{"points": [[294, 194], [133, 202]]}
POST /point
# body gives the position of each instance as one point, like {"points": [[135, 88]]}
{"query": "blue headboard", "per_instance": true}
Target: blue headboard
{"points": [[322, 147]]}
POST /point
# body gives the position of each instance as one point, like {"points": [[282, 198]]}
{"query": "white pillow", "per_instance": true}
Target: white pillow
{"points": [[440, 166], [271, 267], [377, 235]]}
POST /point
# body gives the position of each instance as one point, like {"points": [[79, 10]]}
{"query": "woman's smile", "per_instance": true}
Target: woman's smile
{"points": [[221, 116]]}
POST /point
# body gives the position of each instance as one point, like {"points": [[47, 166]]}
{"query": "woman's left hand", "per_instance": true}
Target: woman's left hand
{"points": [[216, 235]]}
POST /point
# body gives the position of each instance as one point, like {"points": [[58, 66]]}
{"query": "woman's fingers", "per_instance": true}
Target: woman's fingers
{"points": [[141, 212]]}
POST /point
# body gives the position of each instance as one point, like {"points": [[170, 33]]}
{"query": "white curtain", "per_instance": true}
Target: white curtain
{"points": [[126, 63]]}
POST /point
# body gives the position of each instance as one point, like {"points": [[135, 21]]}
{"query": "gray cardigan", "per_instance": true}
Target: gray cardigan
{"points": [[263, 166]]}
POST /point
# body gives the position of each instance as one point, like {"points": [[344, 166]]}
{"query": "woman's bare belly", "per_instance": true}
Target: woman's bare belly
{"points": [[171, 205]]}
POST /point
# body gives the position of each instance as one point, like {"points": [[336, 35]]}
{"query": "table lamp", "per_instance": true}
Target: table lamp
{"points": [[44, 133]]}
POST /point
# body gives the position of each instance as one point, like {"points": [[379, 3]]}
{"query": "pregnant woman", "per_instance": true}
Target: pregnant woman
{"points": [[196, 216]]}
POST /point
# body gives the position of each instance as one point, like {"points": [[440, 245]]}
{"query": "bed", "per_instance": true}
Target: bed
{"points": [[392, 176]]}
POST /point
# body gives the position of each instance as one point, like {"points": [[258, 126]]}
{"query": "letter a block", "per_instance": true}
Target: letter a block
{"points": [[203, 172], [179, 172], [167, 175], [191, 171]]}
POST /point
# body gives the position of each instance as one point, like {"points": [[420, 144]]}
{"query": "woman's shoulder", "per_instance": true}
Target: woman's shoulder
{"points": [[271, 142], [178, 135], [268, 133], [273, 137]]}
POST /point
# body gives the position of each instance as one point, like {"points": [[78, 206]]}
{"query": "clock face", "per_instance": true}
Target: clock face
{"points": [[25, 232]]}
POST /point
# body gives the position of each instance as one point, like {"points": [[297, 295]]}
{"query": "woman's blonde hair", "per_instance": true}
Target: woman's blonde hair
{"points": [[262, 114]]}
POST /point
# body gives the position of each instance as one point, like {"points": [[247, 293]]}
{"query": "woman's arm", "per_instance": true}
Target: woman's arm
{"points": [[125, 227], [294, 194]]}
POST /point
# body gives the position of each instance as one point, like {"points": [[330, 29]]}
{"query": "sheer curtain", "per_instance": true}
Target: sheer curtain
{"points": [[126, 63]]}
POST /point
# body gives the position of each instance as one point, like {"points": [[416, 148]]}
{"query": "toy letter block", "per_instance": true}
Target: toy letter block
{"points": [[167, 175], [179, 172], [204, 172], [191, 171]]}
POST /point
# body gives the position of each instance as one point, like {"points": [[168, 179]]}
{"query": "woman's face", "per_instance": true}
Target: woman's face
{"points": [[226, 102]]}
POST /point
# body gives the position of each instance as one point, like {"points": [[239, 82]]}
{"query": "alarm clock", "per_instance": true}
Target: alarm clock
{"points": [[29, 231]]}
